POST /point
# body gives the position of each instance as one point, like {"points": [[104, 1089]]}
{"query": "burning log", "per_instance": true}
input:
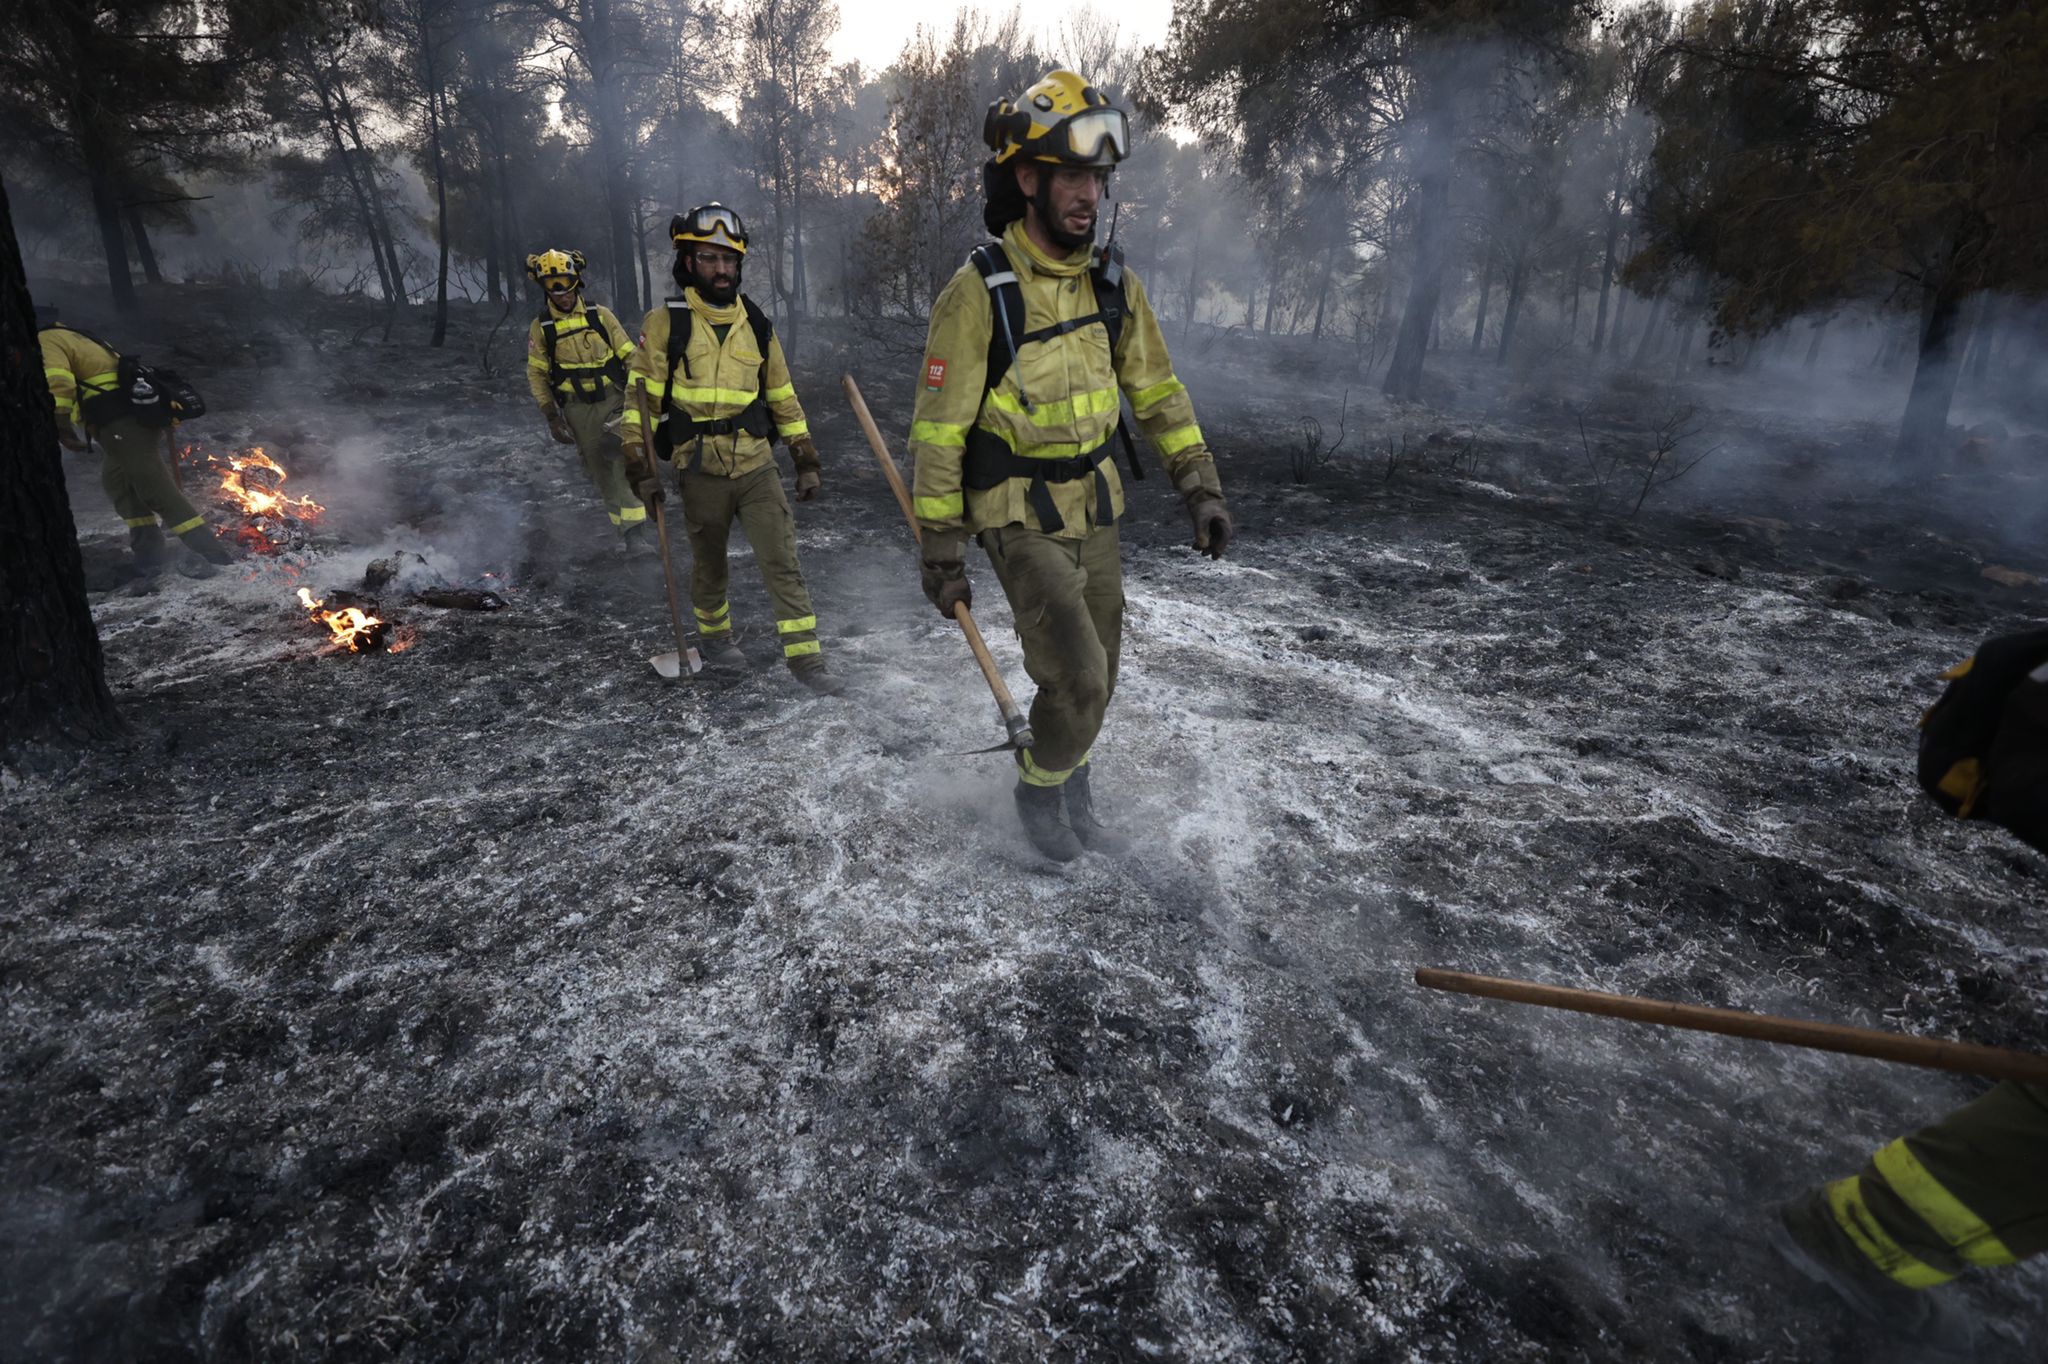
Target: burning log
{"points": [[250, 491], [352, 626]]}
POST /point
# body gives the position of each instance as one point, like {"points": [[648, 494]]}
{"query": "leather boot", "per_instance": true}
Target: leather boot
{"points": [[202, 541], [147, 543], [820, 679], [1039, 808], [1094, 835]]}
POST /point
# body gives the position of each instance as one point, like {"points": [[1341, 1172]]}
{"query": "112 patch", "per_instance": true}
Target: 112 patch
{"points": [[934, 375]]}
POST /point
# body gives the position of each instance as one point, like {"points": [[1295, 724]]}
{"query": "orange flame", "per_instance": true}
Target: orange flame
{"points": [[349, 625], [261, 501]]}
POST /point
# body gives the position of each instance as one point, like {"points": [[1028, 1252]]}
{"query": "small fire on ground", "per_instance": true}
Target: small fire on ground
{"points": [[356, 629], [247, 487]]}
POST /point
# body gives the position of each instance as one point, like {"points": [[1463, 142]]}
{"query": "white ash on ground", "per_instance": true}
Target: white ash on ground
{"points": [[497, 999]]}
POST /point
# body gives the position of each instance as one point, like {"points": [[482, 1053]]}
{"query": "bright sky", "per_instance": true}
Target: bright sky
{"points": [[872, 32]]}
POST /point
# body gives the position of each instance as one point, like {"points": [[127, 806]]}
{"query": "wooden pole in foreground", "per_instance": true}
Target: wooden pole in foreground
{"points": [[1998, 1063]]}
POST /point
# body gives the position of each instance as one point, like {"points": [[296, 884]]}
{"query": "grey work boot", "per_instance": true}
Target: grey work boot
{"points": [[819, 678], [721, 652], [1093, 833], [149, 547], [202, 541], [1039, 808], [1806, 1236]]}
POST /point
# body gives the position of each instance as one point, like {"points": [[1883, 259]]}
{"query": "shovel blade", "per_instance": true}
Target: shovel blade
{"points": [[672, 665]]}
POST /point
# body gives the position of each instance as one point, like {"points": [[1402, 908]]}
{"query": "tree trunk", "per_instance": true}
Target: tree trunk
{"points": [[145, 254], [1272, 290], [1923, 431], [1194, 274], [1649, 337], [367, 169], [1983, 335], [1607, 264], [599, 58], [1432, 231], [355, 187], [440, 185], [1517, 286], [106, 211], [640, 240], [52, 677], [1323, 289], [1485, 300]]}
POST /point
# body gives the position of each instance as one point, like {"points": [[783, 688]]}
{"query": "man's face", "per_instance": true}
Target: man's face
{"points": [[1065, 198], [562, 291], [717, 270]]}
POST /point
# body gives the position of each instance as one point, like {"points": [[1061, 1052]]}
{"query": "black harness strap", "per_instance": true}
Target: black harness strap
{"points": [[677, 426], [585, 385]]}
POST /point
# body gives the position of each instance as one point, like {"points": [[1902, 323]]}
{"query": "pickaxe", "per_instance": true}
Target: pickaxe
{"points": [[671, 665]]}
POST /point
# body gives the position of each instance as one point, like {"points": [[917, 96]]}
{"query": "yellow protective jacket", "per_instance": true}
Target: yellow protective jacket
{"points": [[589, 363], [715, 379], [1072, 381], [76, 366]]}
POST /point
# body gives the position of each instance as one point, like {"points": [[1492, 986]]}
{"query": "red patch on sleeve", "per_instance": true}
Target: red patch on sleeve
{"points": [[935, 375]]}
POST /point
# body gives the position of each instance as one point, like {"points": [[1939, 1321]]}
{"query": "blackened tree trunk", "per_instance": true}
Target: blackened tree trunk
{"points": [[144, 252], [106, 211], [52, 677], [1924, 428], [1323, 289], [1438, 131], [1647, 344], [1518, 280], [1607, 263], [608, 114], [432, 71], [640, 241], [1485, 299], [373, 191]]}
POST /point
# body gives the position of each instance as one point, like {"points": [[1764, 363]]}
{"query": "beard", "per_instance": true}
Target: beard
{"points": [[719, 294], [1054, 228]]}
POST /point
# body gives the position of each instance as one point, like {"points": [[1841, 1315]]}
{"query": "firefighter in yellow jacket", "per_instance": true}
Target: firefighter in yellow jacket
{"points": [[84, 375], [711, 375], [1017, 414], [576, 354]]}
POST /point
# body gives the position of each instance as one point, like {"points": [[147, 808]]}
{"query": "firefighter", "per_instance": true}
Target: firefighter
{"points": [[576, 355], [1018, 401], [84, 375], [711, 375], [1970, 1190]]}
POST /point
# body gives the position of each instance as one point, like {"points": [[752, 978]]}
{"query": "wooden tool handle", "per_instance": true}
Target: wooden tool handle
{"points": [[1997, 1063], [1013, 717]]}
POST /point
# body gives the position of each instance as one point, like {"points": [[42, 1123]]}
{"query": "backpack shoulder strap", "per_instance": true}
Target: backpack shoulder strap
{"points": [[763, 326], [1108, 271], [678, 334], [1006, 307]]}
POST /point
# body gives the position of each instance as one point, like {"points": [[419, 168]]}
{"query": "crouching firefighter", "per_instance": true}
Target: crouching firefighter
{"points": [[1031, 344], [576, 355], [711, 376], [127, 407], [1970, 1190]]}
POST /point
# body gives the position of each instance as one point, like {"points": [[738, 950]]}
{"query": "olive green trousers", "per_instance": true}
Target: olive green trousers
{"points": [[604, 458], [138, 480], [711, 503], [1067, 596]]}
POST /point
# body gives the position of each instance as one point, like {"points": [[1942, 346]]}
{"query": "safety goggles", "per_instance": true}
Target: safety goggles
{"points": [[1086, 135], [701, 224], [560, 284]]}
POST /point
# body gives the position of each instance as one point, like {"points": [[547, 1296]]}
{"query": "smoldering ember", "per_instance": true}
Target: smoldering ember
{"points": [[504, 861]]}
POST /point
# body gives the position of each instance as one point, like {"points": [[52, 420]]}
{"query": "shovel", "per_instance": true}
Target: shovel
{"points": [[1014, 721], [684, 661]]}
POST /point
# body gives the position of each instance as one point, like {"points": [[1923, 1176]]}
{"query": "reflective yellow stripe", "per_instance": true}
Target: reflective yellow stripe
{"points": [[535, 362], [105, 383], [632, 515], [713, 395], [1940, 1209], [625, 350], [705, 628], [656, 389], [790, 627], [614, 516], [49, 373], [939, 433], [947, 508], [1178, 439], [137, 522], [1165, 388], [1845, 1200], [779, 393], [792, 430], [1060, 412], [1034, 775], [194, 524], [809, 646], [724, 610]]}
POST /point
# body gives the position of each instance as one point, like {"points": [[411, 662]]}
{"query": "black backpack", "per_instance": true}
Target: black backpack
{"points": [[675, 427], [1984, 744], [149, 395], [1007, 337]]}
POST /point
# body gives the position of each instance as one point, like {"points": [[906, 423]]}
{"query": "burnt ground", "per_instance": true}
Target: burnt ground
{"points": [[493, 1000]]}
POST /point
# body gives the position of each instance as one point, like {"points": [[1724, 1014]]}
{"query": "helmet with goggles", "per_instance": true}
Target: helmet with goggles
{"points": [[709, 225], [1062, 121], [556, 268]]}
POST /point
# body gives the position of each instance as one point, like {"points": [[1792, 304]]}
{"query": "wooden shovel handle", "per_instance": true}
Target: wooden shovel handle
{"points": [[1013, 717]]}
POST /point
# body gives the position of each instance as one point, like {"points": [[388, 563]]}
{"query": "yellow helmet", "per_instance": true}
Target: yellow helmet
{"points": [[711, 225], [1062, 120], [552, 264]]}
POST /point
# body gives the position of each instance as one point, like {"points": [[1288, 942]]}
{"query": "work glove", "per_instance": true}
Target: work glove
{"points": [[642, 477], [944, 571], [1212, 525], [558, 427], [68, 436], [805, 453]]}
